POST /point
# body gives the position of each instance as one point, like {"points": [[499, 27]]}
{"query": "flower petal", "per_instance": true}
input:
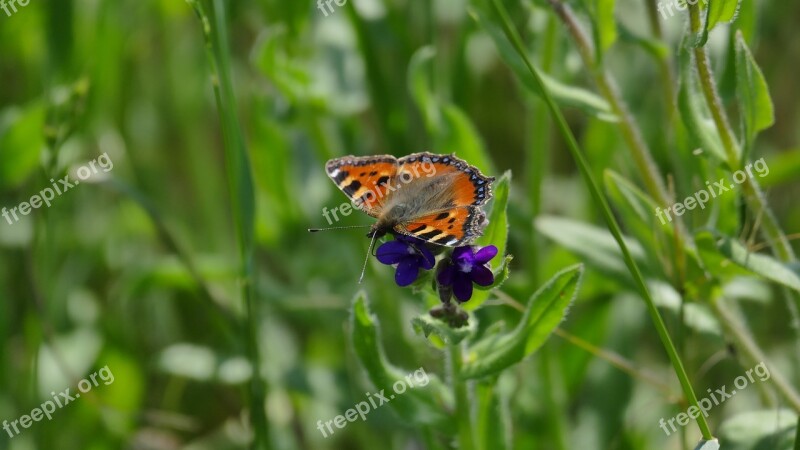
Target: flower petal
{"points": [[446, 275], [485, 254], [481, 275], [391, 252], [407, 271], [463, 253], [425, 257], [462, 288]]}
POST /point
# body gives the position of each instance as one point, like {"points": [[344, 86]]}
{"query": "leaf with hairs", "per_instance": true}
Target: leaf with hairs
{"points": [[545, 310]]}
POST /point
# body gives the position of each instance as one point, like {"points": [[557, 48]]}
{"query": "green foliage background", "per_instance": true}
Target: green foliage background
{"points": [[190, 261]]}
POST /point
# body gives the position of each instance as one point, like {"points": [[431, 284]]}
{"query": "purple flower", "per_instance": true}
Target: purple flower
{"points": [[466, 267], [410, 254]]}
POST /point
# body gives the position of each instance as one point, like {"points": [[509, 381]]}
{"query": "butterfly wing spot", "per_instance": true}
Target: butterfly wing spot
{"points": [[339, 175], [443, 215], [352, 188]]}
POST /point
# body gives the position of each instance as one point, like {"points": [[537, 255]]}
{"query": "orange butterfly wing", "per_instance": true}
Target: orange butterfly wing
{"points": [[366, 180], [453, 227], [463, 221]]}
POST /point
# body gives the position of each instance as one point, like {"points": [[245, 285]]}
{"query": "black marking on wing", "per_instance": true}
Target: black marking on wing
{"points": [[352, 188]]}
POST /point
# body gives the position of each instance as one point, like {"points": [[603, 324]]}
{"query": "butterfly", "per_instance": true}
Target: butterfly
{"points": [[436, 198]]}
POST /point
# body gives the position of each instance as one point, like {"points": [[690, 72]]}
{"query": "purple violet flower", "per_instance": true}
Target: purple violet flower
{"points": [[410, 254], [468, 266]]}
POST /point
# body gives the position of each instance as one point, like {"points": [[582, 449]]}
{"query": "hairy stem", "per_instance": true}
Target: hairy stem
{"points": [[466, 440], [754, 197]]}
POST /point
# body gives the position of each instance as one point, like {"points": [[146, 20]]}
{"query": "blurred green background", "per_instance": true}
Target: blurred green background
{"points": [[139, 271]]}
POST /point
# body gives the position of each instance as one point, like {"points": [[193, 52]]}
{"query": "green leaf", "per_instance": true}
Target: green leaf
{"points": [[694, 111], [760, 430], [545, 310], [637, 208], [21, 143], [288, 74], [752, 91], [721, 11], [592, 243], [562, 93], [496, 233], [655, 47], [421, 405], [760, 264]]}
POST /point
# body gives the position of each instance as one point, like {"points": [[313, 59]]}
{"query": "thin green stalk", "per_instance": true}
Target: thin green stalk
{"points": [[611, 221], [652, 19], [753, 196], [753, 354], [466, 440], [242, 200]]}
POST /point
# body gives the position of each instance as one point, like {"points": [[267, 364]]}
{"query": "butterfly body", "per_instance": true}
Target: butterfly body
{"points": [[433, 197]]}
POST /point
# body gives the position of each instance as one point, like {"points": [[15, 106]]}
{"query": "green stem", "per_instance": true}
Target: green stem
{"points": [[466, 440], [611, 221], [753, 196]]}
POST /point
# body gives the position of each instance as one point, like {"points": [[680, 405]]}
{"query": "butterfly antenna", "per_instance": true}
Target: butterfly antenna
{"points": [[366, 260], [314, 230]]}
